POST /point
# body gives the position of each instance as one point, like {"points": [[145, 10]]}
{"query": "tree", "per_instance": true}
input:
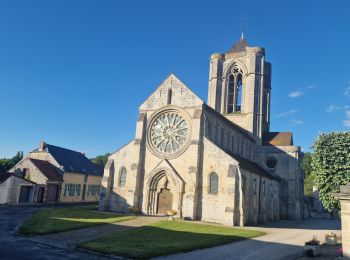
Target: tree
{"points": [[7, 163], [308, 176], [331, 165], [100, 159]]}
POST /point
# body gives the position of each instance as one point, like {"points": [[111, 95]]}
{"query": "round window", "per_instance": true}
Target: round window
{"points": [[169, 133], [271, 163]]}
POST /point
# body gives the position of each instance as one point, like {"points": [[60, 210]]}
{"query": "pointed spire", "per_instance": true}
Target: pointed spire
{"points": [[240, 45]]}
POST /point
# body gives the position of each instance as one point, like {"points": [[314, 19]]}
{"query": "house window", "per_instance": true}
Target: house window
{"points": [[77, 189], [234, 90], [65, 190], [93, 190], [122, 179], [85, 178], [71, 189], [213, 183], [26, 173]]}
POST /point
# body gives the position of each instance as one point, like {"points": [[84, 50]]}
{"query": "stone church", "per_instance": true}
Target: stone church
{"points": [[215, 162]]}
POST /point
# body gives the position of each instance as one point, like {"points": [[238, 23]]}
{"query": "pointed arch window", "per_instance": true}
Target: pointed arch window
{"points": [[213, 183], [122, 179], [239, 93], [235, 86], [231, 93]]}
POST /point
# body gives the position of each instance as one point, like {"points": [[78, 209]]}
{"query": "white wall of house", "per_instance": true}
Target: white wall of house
{"points": [[10, 190], [4, 190]]}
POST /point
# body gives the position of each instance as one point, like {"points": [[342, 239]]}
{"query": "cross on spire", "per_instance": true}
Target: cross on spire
{"points": [[243, 26]]}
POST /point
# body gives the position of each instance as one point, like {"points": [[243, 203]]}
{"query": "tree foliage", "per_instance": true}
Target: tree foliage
{"points": [[308, 176], [306, 164], [100, 159], [7, 163], [331, 165]]}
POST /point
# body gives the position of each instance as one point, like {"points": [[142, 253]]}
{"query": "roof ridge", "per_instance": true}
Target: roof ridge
{"points": [[63, 148]]}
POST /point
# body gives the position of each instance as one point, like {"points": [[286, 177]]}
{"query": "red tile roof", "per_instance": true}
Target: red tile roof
{"points": [[278, 139]]}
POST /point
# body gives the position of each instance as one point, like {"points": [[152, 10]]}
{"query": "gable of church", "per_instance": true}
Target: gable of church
{"points": [[172, 91]]}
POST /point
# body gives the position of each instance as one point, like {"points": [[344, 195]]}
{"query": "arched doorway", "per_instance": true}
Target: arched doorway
{"points": [[165, 201], [164, 189]]}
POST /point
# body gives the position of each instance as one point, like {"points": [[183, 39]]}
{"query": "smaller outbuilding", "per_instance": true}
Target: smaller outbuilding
{"points": [[15, 190]]}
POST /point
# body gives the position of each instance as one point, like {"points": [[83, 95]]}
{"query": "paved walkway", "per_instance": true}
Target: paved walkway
{"points": [[13, 247], [70, 239], [284, 241]]}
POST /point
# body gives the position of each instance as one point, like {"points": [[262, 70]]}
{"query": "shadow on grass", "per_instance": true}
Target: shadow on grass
{"points": [[62, 219], [164, 237]]}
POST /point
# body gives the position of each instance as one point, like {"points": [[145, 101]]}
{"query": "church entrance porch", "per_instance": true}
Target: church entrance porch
{"points": [[164, 192], [165, 201]]}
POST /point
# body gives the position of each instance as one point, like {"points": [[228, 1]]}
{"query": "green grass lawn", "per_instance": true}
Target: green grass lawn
{"points": [[167, 237], [62, 219]]}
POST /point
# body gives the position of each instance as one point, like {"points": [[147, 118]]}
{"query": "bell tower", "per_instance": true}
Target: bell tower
{"points": [[240, 86]]}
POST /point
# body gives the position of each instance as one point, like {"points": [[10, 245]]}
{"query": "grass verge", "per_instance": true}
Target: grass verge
{"points": [[167, 237], [62, 219]]}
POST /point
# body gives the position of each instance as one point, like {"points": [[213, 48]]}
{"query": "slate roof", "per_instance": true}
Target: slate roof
{"points": [[4, 176], [47, 169], [278, 139], [239, 46], [2, 169], [252, 166], [217, 114], [73, 161]]}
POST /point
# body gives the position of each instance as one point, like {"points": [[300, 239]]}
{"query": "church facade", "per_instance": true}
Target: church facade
{"points": [[214, 162]]}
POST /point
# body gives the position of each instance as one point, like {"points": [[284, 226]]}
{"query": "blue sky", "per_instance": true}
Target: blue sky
{"points": [[73, 73]]}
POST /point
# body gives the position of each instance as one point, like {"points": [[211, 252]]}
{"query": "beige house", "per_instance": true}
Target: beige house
{"points": [[214, 162], [61, 175]]}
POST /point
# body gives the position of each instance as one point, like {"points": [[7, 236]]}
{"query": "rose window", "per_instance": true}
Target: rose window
{"points": [[169, 133]]}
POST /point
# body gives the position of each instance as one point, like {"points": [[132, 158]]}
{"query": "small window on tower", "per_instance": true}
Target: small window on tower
{"points": [[231, 94], [239, 93], [234, 90]]}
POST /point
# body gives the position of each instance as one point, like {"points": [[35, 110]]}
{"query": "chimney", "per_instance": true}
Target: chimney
{"points": [[42, 146], [82, 153]]}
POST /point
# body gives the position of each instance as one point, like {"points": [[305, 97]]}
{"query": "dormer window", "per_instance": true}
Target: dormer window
{"points": [[235, 86]]}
